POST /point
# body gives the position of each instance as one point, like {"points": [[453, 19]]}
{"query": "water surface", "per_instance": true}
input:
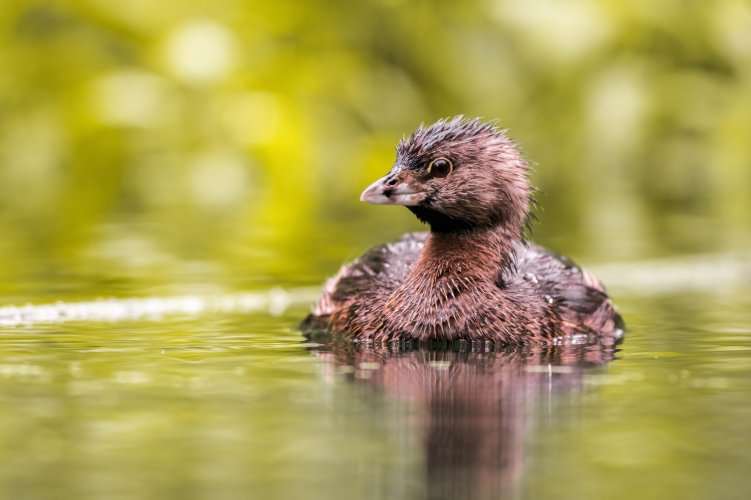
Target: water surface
{"points": [[236, 404]]}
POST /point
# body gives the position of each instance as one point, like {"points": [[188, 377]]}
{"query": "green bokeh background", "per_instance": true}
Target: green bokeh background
{"points": [[231, 138], [160, 148]]}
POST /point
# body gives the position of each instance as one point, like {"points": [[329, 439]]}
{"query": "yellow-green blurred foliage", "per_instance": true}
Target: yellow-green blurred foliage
{"points": [[226, 130]]}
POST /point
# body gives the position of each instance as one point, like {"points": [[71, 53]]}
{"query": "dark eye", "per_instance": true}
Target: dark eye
{"points": [[440, 167]]}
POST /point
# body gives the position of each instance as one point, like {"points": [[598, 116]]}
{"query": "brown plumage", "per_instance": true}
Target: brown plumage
{"points": [[473, 277]]}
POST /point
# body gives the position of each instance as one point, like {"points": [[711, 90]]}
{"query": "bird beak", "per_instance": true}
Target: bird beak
{"points": [[393, 189]]}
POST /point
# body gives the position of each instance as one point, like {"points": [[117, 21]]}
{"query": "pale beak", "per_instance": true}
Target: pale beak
{"points": [[389, 190]]}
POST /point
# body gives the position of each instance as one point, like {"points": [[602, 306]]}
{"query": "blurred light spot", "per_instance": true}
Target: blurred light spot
{"points": [[732, 23], [201, 51], [132, 378], [253, 118], [198, 383], [129, 98], [126, 250], [22, 371], [710, 383], [616, 105], [721, 272], [567, 29], [218, 179], [278, 301]]}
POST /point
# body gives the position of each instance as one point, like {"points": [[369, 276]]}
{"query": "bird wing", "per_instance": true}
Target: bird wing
{"points": [[382, 266], [579, 298]]}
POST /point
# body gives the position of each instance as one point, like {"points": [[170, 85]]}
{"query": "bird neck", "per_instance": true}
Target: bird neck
{"points": [[477, 253], [453, 271]]}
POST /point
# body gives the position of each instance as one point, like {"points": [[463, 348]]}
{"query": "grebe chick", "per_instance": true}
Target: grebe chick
{"points": [[473, 276]]}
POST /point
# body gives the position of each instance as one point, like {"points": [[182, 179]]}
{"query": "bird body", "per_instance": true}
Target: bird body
{"points": [[473, 276]]}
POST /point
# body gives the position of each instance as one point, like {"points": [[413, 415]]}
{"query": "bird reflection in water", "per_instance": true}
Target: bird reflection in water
{"points": [[475, 403]]}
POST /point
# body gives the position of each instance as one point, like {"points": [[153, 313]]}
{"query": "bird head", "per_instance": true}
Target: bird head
{"points": [[455, 175]]}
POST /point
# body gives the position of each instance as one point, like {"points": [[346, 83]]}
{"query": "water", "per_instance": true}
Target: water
{"points": [[219, 396]]}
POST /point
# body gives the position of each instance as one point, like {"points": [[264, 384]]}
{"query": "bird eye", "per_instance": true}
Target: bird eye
{"points": [[440, 167]]}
